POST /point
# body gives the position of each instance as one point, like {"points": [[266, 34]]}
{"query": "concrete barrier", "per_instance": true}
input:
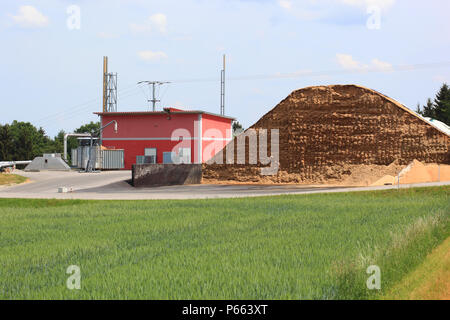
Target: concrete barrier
{"points": [[151, 175]]}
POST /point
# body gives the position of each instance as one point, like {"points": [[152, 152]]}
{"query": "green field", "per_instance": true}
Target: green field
{"points": [[284, 247]]}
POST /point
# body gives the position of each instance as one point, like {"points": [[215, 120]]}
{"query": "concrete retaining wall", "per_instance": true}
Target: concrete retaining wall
{"points": [[50, 161], [150, 175]]}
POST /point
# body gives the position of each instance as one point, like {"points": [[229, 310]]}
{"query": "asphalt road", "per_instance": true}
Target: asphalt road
{"points": [[113, 185]]}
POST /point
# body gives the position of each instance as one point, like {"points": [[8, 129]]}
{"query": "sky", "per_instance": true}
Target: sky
{"points": [[52, 53]]}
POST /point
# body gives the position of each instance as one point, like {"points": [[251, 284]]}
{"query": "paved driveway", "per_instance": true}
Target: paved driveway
{"points": [[114, 185]]}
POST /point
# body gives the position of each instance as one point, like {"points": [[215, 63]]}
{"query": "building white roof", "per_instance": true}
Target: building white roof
{"points": [[438, 124]]}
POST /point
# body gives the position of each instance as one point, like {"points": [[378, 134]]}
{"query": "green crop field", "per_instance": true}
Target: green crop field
{"points": [[285, 247]]}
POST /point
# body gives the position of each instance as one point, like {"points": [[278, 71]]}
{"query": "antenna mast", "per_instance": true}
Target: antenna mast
{"points": [[153, 84], [109, 88], [222, 89]]}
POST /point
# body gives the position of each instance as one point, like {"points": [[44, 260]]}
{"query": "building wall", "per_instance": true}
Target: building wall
{"points": [[135, 148], [216, 133], [137, 132], [149, 126]]}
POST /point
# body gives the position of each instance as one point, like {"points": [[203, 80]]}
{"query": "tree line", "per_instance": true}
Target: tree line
{"points": [[23, 141]]}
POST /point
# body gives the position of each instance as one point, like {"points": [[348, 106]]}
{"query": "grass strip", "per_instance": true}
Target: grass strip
{"points": [[9, 179], [429, 281]]}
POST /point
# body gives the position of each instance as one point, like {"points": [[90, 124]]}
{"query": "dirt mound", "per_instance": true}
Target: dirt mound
{"points": [[339, 133]]}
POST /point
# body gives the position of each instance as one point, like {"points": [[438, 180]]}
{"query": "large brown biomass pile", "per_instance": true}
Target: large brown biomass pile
{"points": [[339, 134]]}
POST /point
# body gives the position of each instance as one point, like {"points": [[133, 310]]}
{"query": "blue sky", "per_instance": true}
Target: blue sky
{"points": [[51, 74]]}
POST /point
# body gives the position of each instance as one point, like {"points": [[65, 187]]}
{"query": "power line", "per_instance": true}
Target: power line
{"points": [[153, 85], [80, 106], [71, 113], [164, 93]]}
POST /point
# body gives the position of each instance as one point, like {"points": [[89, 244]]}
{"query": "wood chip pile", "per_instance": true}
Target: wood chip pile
{"points": [[328, 133]]}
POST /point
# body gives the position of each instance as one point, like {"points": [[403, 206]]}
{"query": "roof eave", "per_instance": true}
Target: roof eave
{"points": [[163, 112]]}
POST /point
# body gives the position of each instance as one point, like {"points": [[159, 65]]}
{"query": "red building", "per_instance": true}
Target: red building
{"points": [[169, 136]]}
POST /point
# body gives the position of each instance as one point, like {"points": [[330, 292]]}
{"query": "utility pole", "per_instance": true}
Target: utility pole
{"points": [[105, 82], [222, 89], [154, 84]]}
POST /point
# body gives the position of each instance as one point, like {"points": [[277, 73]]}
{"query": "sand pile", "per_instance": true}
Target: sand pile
{"points": [[339, 134], [417, 172]]}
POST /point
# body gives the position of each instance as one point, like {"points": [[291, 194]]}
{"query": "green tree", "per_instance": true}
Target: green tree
{"points": [[58, 142], [91, 127], [442, 104], [237, 127], [23, 141], [5, 142], [440, 108], [72, 142], [428, 110], [418, 108]]}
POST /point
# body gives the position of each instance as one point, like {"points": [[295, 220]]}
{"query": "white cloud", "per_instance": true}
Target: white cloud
{"points": [[382, 4], [285, 4], [381, 65], [152, 56], [156, 22], [347, 62], [29, 17], [159, 22], [324, 9]]}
